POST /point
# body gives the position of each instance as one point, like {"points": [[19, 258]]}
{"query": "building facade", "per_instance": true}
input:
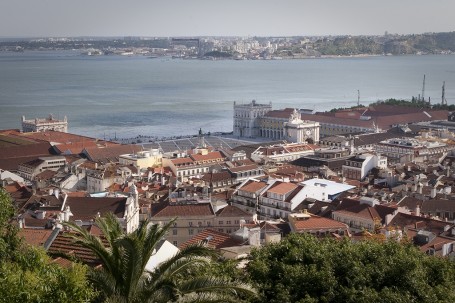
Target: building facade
{"points": [[143, 159], [29, 170], [246, 118], [255, 120], [46, 124]]}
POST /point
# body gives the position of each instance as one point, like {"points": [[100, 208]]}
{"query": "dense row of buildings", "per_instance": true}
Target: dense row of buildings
{"points": [[395, 180]]}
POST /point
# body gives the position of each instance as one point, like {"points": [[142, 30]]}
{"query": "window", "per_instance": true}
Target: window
{"points": [[190, 223], [190, 231], [174, 232], [228, 222], [220, 222], [175, 243]]}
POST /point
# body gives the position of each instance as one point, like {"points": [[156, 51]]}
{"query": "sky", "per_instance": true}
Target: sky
{"points": [[151, 18]]}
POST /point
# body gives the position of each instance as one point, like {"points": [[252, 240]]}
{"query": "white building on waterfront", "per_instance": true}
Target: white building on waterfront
{"points": [[46, 124], [246, 118], [255, 120], [298, 131]]}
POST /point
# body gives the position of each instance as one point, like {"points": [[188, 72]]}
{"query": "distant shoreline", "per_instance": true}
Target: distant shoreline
{"points": [[151, 56]]}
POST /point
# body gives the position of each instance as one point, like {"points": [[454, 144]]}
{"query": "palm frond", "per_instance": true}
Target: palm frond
{"points": [[214, 285]]}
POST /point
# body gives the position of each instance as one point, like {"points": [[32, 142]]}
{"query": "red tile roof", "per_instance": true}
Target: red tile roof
{"points": [[317, 223], [63, 262], [11, 157], [35, 237], [280, 113], [64, 244], [45, 175], [217, 177], [214, 239], [383, 119], [253, 186], [216, 155], [86, 208], [243, 168], [362, 211], [181, 161], [232, 211], [74, 147], [110, 153], [282, 188], [62, 138], [188, 210]]}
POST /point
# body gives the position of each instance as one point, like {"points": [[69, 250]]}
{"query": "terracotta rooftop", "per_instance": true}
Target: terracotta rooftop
{"points": [[217, 177], [216, 155], [363, 211], [382, 120], [7, 140], [110, 153], [187, 210], [11, 157], [45, 175], [35, 237], [182, 161], [213, 238], [62, 138], [64, 244], [282, 188], [86, 208], [232, 211], [253, 186], [317, 223], [280, 113], [74, 147], [436, 244], [243, 168], [411, 221]]}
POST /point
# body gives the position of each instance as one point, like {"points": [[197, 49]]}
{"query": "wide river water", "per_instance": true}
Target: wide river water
{"points": [[104, 96]]}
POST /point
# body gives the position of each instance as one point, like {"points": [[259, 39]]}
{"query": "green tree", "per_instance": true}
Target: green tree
{"points": [[27, 274], [302, 268], [123, 277]]}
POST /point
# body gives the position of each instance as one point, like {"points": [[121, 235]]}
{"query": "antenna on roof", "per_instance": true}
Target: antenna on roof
{"points": [[423, 89], [358, 98], [443, 98]]}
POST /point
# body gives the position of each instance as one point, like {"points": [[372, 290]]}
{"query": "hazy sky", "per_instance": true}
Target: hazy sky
{"points": [[31, 18]]}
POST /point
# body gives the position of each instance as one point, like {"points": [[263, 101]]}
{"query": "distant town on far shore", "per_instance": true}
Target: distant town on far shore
{"points": [[241, 48]]}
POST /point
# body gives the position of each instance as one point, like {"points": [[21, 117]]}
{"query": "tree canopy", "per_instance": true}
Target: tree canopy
{"points": [[302, 268], [27, 274]]}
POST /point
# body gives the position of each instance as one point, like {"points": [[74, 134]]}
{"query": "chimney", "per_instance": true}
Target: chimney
{"points": [[433, 192], [21, 222], [67, 214], [388, 219], [56, 192], [420, 188], [417, 210]]}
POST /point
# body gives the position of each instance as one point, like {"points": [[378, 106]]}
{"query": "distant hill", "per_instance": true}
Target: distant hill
{"points": [[431, 43]]}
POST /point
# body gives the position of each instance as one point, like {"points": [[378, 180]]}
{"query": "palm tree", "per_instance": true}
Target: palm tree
{"points": [[123, 277]]}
